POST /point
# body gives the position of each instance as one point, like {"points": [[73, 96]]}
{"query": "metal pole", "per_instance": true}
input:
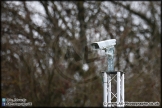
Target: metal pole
{"points": [[109, 90], [104, 89], [122, 89], [110, 53], [118, 89]]}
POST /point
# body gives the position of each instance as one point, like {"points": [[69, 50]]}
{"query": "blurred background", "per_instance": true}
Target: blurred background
{"points": [[46, 58]]}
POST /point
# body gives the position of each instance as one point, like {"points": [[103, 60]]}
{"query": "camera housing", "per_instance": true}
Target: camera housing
{"points": [[103, 44]]}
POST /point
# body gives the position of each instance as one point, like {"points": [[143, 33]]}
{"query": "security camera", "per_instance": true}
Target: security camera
{"points": [[103, 44]]}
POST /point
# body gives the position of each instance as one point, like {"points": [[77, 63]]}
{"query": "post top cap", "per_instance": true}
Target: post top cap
{"points": [[112, 72]]}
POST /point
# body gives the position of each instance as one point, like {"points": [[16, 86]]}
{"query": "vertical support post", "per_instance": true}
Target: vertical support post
{"points": [[104, 89], [110, 52], [109, 90], [118, 89], [122, 89]]}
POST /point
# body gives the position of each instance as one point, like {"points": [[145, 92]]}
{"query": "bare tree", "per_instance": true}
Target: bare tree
{"points": [[46, 56]]}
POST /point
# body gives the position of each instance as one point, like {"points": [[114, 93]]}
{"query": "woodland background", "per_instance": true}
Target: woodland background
{"points": [[46, 58]]}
